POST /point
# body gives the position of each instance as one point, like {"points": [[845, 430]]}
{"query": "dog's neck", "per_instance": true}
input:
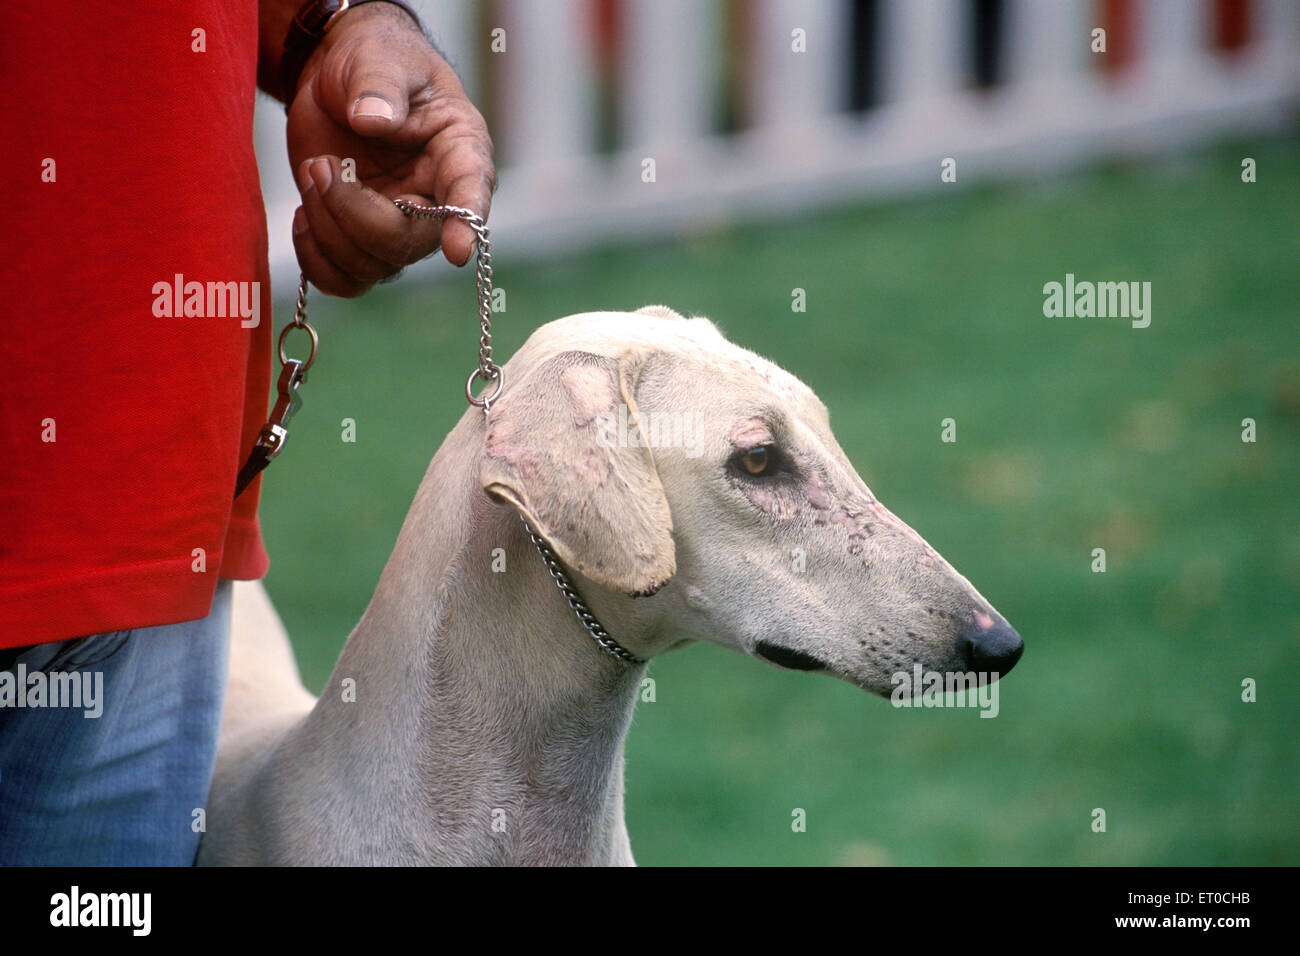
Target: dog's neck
{"points": [[489, 723]]}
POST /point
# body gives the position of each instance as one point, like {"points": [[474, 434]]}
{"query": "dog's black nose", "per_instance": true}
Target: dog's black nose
{"points": [[992, 649]]}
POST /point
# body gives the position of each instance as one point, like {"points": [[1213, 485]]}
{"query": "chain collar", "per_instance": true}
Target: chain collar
{"points": [[489, 372], [588, 620]]}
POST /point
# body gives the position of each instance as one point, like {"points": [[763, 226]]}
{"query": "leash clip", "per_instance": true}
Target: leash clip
{"points": [[274, 433]]}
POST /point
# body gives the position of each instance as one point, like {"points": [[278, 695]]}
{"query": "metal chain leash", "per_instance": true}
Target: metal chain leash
{"points": [[274, 434], [585, 617], [486, 370], [294, 372]]}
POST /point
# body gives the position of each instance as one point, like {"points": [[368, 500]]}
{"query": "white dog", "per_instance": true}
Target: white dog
{"points": [[472, 717]]}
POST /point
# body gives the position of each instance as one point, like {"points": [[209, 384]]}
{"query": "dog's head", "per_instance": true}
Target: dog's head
{"points": [[648, 451]]}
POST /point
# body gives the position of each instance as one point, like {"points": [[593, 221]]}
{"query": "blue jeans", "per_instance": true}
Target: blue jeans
{"points": [[120, 788]]}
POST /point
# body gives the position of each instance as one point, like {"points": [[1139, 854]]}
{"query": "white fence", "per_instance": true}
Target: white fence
{"points": [[801, 147]]}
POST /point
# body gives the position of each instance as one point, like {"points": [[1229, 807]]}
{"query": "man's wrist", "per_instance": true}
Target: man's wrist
{"points": [[315, 20]]}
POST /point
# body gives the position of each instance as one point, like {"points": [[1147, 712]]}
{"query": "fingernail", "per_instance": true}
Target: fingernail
{"points": [[303, 176], [299, 221], [321, 174], [375, 106]]}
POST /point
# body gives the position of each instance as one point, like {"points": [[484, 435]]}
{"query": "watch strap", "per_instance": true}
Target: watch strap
{"points": [[308, 27]]}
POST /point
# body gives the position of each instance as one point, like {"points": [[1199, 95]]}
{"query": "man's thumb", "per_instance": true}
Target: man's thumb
{"points": [[378, 104]]}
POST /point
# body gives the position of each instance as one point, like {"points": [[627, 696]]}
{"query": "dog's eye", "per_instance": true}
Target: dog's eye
{"points": [[761, 461], [756, 461]]}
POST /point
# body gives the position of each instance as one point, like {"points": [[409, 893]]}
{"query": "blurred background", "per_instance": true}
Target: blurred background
{"points": [[800, 145]]}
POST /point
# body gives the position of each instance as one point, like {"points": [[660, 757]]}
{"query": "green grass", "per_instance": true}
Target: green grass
{"points": [[1072, 434]]}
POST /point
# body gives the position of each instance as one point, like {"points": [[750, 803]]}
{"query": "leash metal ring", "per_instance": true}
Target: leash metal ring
{"points": [[486, 400], [315, 341]]}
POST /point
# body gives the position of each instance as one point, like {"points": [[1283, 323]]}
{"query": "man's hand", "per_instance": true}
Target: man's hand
{"points": [[377, 93]]}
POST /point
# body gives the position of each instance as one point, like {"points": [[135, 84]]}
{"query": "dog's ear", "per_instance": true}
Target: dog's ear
{"points": [[659, 312], [556, 452]]}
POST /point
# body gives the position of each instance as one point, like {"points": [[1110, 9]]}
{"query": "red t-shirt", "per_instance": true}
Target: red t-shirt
{"points": [[125, 408]]}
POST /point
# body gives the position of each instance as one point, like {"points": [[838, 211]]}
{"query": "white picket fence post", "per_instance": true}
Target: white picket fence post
{"points": [[1047, 44], [665, 72], [546, 79], [791, 88], [922, 50]]}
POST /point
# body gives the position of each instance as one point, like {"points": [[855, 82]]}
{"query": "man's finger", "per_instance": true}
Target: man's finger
{"points": [[465, 180], [319, 271], [377, 94], [362, 232]]}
